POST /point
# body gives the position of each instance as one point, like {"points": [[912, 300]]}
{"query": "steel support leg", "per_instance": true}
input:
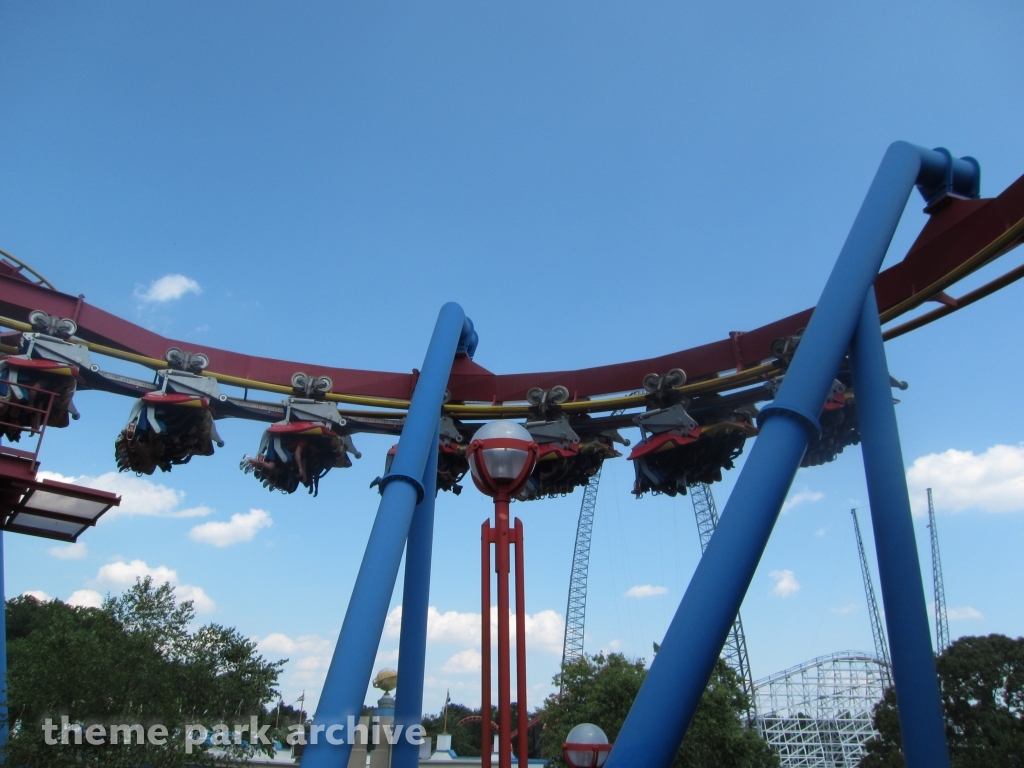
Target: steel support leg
{"points": [[412, 646], [502, 567], [521, 686], [401, 490], [486, 728], [658, 720], [906, 613]]}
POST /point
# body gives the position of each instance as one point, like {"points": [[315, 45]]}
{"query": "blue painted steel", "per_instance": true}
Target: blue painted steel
{"points": [[658, 720], [352, 663], [412, 647], [831, 328], [3, 652], [906, 613], [469, 339], [662, 711]]}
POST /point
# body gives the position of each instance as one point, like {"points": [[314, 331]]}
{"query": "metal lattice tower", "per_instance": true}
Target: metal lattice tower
{"points": [[576, 610], [877, 631], [734, 652], [818, 714], [941, 620]]}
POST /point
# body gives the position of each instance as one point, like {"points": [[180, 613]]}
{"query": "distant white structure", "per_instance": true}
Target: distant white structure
{"points": [[818, 714]]}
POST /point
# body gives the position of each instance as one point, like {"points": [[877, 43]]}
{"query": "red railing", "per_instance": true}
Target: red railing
{"points": [[38, 418]]}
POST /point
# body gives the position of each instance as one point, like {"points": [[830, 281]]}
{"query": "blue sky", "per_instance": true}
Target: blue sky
{"points": [[593, 183]]}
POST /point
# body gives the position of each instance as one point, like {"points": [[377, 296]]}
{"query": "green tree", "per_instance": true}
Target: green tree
{"points": [[466, 737], [981, 680], [134, 660], [600, 689]]}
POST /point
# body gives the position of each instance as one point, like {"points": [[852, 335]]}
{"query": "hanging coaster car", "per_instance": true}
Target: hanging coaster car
{"points": [[34, 393], [663, 459], [682, 455], [302, 448], [452, 463], [839, 427], [171, 425], [564, 459], [838, 421]]}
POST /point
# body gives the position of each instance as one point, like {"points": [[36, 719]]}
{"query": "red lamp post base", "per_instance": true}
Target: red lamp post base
{"points": [[502, 537]]}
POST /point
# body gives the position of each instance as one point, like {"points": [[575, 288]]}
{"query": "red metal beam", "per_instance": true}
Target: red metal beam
{"points": [[953, 235]]}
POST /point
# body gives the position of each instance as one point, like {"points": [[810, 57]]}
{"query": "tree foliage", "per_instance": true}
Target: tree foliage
{"points": [[466, 737], [600, 689], [135, 660], [981, 680]]}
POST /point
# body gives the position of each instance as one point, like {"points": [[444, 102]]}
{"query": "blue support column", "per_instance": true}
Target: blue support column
{"points": [[401, 490], [412, 647], [906, 613], [658, 720]]}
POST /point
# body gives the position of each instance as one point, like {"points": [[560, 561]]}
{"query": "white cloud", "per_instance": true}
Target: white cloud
{"points": [[820, 532], [85, 598], [614, 646], [122, 574], [279, 643], [992, 481], [785, 583], [241, 527], [202, 602], [544, 629], [308, 656], [646, 590], [38, 594], [69, 551], [464, 662], [138, 496], [447, 627], [844, 609], [966, 612], [453, 627], [169, 288], [802, 497]]}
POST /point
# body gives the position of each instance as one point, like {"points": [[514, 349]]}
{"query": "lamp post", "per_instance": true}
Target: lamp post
{"points": [[586, 746], [501, 457]]}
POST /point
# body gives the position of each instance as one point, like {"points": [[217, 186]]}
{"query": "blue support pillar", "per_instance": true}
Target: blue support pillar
{"points": [[401, 491], [906, 613], [412, 647], [662, 711]]}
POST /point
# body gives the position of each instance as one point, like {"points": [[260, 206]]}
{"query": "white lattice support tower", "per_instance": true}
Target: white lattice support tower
{"points": [[818, 714], [734, 652], [941, 620], [576, 609], [877, 630]]}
